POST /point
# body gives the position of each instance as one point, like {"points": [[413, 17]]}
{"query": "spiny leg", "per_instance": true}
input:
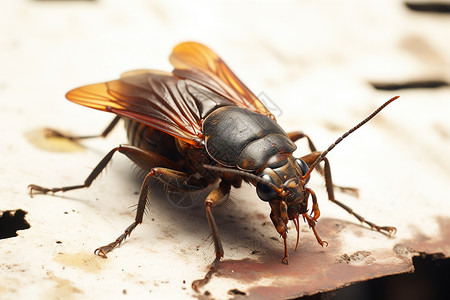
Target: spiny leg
{"points": [[137, 155], [329, 186], [181, 181], [142, 158], [213, 199], [161, 174], [297, 135], [55, 133], [37, 189]]}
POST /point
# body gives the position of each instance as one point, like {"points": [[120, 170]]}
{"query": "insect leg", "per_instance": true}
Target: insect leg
{"points": [[312, 225], [312, 220], [213, 199], [36, 189], [330, 191], [140, 157], [281, 228], [54, 133], [297, 135], [161, 174]]}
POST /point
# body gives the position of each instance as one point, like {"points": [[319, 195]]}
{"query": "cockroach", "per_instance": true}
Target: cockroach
{"points": [[200, 125]]}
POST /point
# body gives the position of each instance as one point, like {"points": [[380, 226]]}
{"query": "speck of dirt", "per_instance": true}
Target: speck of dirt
{"points": [[236, 292]]}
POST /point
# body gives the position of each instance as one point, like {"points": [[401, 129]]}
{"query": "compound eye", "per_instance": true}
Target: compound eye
{"points": [[266, 192], [303, 166]]}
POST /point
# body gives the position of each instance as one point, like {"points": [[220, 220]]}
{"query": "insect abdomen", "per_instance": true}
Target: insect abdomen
{"points": [[148, 138]]}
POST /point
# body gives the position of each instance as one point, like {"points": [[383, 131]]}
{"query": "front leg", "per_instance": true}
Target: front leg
{"points": [[309, 159], [297, 135]]}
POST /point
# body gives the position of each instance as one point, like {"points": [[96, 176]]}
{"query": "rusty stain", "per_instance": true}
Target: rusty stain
{"points": [[314, 269], [316, 273], [85, 262], [311, 268], [38, 138]]}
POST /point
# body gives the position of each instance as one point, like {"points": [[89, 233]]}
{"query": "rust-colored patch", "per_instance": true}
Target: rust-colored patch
{"points": [[311, 269], [306, 276]]}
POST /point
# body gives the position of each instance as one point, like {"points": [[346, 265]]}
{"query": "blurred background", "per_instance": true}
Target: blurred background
{"points": [[322, 66]]}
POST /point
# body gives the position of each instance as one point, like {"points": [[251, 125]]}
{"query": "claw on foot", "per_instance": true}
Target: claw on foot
{"points": [[388, 229], [196, 284], [36, 189], [101, 252]]}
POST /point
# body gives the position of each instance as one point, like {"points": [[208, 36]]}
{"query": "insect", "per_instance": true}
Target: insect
{"points": [[200, 125]]}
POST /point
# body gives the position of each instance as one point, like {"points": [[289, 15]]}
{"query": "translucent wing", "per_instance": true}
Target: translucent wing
{"points": [[155, 98], [197, 62], [175, 103]]}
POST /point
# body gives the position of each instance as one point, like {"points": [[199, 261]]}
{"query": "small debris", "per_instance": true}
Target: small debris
{"points": [[236, 292]]}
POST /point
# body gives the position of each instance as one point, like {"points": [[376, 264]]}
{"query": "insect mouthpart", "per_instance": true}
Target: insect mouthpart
{"points": [[296, 197]]}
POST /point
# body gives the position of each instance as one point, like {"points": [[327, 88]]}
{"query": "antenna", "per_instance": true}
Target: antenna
{"points": [[324, 153]]}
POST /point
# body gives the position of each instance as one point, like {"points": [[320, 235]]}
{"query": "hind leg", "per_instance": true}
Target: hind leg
{"points": [[141, 157], [55, 133]]}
